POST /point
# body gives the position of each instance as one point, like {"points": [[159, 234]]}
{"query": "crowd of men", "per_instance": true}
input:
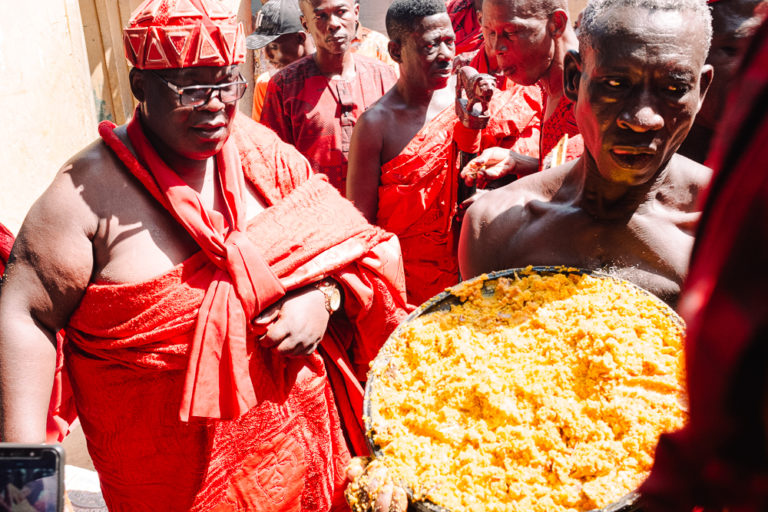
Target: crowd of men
{"points": [[204, 291]]}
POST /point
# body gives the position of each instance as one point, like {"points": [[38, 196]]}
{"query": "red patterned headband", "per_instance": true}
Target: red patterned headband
{"points": [[164, 34]]}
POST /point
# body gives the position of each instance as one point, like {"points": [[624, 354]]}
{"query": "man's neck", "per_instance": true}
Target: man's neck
{"points": [[552, 81], [191, 171], [606, 200], [413, 97], [335, 64]]}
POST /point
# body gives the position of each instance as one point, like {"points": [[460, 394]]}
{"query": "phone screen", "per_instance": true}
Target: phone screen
{"points": [[29, 480]]}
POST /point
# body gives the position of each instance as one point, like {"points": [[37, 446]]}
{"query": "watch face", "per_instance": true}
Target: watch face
{"points": [[334, 301]]}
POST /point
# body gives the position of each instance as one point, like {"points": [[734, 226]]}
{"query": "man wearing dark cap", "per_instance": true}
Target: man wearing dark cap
{"points": [[315, 102], [280, 34], [221, 302]]}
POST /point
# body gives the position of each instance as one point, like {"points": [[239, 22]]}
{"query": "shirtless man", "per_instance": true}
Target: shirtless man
{"points": [[401, 172], [172, 251], [734, 22], [628, 205]]}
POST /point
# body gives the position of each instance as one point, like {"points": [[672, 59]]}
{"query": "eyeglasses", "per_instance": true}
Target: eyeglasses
{"points": [[199, 95]]}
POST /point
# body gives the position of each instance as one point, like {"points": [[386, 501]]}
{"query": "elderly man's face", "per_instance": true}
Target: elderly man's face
{"points": [[639, 89], [426, 53], [332, 23], [191, 132], [524, 49], [734, 22]]}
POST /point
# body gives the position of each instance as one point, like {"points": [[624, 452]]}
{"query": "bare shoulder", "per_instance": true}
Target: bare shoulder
{"points": [[685, 182], [497, 215], [379, 116]]}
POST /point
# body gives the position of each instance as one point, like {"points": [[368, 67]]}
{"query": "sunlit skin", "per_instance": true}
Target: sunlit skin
{"points": [[96, 223], [628, 205], [734, 22], [422, 91], [332, 25]]}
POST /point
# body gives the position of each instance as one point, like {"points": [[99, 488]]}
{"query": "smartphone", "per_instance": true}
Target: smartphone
{"points": [[31, 477]]}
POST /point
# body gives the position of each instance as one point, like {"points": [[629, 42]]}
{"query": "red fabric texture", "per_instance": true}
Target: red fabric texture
{"points": [[469, 37], [133, 349], [720, 458], [418, 190], [6, 243], [305, 109], [559, 124], [164, 34]]}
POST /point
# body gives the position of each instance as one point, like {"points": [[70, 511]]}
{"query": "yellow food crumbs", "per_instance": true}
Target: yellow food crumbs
{"points": [[548, 395]]}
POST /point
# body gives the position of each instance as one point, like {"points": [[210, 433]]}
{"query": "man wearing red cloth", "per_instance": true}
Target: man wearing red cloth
{"points": [[315, 102], [530, 39], [403, 174], [628, 205], [734, 22], [197, 265], [719, 460]]}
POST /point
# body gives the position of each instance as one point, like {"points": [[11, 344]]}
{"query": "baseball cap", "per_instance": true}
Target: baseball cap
{"points": [[276, 17]]}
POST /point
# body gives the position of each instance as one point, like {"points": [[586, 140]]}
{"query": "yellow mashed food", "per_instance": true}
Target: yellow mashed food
{"points": [[549, 395]]}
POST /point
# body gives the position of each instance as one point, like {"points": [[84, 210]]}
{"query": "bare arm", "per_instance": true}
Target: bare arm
{"points": [[364, 171], [48, 271]]}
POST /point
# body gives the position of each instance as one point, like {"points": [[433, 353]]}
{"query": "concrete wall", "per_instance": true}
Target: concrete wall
{"points": [[45, 98]]}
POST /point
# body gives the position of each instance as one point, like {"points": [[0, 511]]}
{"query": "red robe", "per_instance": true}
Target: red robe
{"points": [[720, 458], [469, 37], [264, 431], [560, 138], [317, 115], [418, 190]]}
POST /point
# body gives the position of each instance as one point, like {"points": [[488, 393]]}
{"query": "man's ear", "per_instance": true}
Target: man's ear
{"points": [[705, 80], [571, 74], [136, 79], [395, 51], [558, 22], [304, 22]]}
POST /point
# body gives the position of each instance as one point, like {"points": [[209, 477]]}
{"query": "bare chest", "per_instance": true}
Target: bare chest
{"points": [[139, 239], [652, 250]]}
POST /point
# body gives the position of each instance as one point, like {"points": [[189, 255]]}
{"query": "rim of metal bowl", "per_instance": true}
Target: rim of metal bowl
{"points": [[443, 302]]}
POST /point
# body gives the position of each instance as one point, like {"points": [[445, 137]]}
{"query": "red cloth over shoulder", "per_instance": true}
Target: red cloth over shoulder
{"points": [[469, 37], [560, 138], [132, 348], [419, 188]]}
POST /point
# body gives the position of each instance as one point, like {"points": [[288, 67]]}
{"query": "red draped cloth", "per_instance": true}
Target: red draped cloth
{"points": [[720, 458], [181, 407], [418, 190], [560, 138], [469, 37], [317, 114], [6, 242]]}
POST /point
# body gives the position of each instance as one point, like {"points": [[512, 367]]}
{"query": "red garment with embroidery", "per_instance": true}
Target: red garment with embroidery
{"points": [[317, 114], [419, 187], [560, 129], [469, 37], [264, 432], [720, 458]]}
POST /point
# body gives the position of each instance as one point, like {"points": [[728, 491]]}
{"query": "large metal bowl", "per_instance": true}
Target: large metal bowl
{"points": [[443, 302]]}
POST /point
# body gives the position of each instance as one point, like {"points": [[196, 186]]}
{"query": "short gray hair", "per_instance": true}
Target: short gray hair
{"points": [[591, 19]]}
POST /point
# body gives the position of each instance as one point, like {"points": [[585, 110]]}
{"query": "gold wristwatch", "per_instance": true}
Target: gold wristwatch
{"points": [[332, 292]]}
